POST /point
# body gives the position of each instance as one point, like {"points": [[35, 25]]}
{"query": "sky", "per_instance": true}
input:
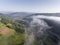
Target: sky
{"points": [[39, 6]]}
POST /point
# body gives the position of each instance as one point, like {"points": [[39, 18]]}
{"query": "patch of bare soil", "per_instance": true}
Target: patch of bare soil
{"points": [[6, 31]]}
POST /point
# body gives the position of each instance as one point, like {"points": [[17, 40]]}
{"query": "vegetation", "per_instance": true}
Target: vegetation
{"points": [[11, 33]]}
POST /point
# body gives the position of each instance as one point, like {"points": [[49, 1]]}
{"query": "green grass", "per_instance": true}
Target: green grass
{"points": [[2, 25]]}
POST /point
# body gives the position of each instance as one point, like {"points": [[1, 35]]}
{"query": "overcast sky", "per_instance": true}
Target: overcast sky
{"points": [[43, 6]]}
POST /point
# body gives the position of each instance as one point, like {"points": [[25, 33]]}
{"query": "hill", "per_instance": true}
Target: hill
{"points": [[11, 33]]}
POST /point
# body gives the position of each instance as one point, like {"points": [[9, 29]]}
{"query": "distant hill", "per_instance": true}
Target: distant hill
{"points": [[15, 15], [20, 15]]}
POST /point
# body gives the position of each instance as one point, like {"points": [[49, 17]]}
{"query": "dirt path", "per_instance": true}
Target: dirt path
{"points": [[6, 31]]}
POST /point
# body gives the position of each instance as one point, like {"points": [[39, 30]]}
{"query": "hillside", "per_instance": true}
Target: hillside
{"points": [[11, 33], [5, 30]]}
